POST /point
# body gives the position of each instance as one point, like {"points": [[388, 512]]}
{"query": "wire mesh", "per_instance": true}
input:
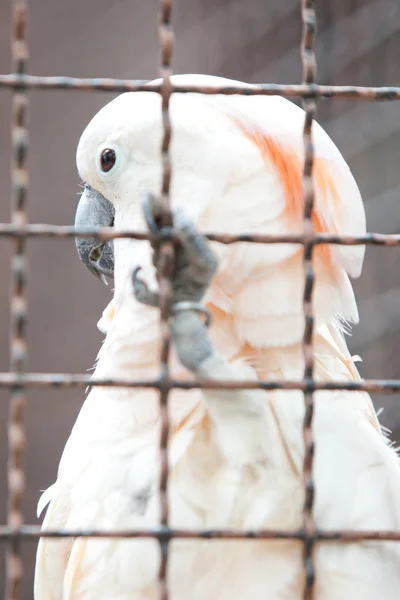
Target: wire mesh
{"points": [[17, 379]]}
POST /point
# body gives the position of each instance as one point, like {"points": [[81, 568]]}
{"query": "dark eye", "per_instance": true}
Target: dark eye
{"points": [[107, 159]]}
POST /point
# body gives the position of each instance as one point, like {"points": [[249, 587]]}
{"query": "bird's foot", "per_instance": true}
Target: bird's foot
{"points": [[194, 262], [194, 267]]}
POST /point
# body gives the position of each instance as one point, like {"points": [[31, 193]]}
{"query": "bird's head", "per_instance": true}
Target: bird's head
{"points": [[115, 169]]}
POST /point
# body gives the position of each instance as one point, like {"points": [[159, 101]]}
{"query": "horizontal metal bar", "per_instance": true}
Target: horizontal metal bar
{"points": [[67, 380], [34, 532], [101, 84], [68, 231], [110, 233], [14, 80]]}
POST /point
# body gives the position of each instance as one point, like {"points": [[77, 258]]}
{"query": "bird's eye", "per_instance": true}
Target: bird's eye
{"points": [[107, 159]]}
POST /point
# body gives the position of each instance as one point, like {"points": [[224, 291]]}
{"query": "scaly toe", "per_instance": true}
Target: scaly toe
{"points": [[142, 292]]}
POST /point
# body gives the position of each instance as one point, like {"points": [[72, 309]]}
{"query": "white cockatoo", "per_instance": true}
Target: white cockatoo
{"points": [[235, 458]]}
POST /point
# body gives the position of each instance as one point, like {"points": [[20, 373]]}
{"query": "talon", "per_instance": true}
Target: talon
{"points": [[139, 286], [135, 277], [153, 210], [142, 292]]}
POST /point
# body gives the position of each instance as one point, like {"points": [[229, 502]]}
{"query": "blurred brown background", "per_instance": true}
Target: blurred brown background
{"points": [[256, 41]]}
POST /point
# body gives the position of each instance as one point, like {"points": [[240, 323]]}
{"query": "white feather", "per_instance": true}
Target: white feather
{"points": [[44, 500]]}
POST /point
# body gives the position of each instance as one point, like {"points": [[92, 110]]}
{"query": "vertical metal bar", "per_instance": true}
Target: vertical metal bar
{"points": [[16, 431], [165, 267], [309, 75]]}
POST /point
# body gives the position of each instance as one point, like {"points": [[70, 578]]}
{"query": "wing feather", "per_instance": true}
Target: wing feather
{"points": [[53, 554]]}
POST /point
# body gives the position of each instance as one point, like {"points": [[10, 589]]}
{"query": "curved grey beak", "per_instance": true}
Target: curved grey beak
{"points": [[95, 211]]}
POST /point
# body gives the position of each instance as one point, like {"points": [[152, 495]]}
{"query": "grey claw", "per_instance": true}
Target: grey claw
{"points": [[142, 292], [196, 248], [195, 262], [152, 209]]}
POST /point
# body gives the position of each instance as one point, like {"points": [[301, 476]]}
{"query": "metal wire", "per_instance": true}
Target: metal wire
{"points": [[351, 92], [33, 532], [309, 75], [164, 271], [67, 380], [110, 233], [18, 230], [18, 349]]}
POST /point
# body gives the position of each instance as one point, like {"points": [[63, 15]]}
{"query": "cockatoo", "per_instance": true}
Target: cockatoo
{"points": [[235, 457]]}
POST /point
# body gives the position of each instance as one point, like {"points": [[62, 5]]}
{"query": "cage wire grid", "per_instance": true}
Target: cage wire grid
{"points": [[18, 230]]}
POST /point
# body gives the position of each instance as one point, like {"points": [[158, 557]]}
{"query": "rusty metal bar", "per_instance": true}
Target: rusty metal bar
{"points": [[77, 380], [310, 106], [34, 230], [351, 92], [164, 271], [33, 532], [18, 306]]}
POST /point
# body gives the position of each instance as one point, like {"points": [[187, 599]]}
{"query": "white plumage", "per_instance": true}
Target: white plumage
{"points": [[237, 164]]}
